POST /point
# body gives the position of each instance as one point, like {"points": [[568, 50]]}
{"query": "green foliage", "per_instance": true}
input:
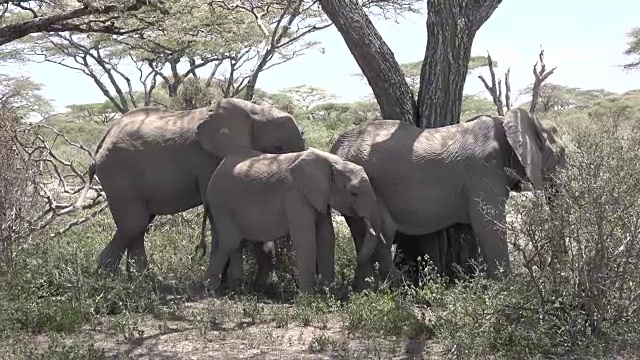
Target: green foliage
{"points": [[85, 133], [382, 313], [633, 49], [625, 106], [554, 97], [412, 70], [473, 105], [21, 95], [573, 289]]}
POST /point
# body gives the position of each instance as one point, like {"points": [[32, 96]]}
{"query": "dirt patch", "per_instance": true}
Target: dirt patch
{"points": [[197, 337]]}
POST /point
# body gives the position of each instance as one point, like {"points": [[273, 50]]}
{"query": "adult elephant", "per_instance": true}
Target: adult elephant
{"points": [[430, 179], [154, 161]]}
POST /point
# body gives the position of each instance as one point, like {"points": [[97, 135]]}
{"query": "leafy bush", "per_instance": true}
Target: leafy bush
{"points": [[575, 285]]}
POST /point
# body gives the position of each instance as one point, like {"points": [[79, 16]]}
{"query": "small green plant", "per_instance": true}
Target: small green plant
{"points": [[323, 343], [281, 316], [128, 326], [251, 309], [383, 313]]}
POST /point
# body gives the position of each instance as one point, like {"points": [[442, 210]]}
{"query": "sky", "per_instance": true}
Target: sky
{"points": [[585, 39]]}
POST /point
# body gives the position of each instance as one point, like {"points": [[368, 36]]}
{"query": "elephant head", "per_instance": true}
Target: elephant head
{"points": [[232, 125], [327, 181], [539, 147]]}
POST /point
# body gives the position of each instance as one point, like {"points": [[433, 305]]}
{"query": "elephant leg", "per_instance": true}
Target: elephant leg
{"points": [[383, 254], [110, 256], [227, 239], [407, 253], [136, 253], [325, 245], [235, 270], [492, 240], [358, 229], [302, 228], [131, 223], [265, 262], [430, 245], [469, 254]]}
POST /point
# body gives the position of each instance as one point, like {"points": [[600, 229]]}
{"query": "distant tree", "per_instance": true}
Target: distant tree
{"points": [[554, 97], [625, 106], [21, 97], [411, 70], [306, 96], [233, 42], [473, 105], [633, 49]]}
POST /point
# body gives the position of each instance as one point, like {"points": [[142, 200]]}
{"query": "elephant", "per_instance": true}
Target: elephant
{"points": [[271, 196], [155, 161], [430, 179]]}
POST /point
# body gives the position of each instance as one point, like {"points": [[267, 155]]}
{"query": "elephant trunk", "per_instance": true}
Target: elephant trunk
{"points": [[372, 236]]}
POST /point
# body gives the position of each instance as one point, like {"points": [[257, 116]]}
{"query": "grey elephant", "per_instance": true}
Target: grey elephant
{"points": [[430, 179], [269, 196], [154, 161]]}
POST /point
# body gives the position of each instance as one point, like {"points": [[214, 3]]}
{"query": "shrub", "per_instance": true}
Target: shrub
{"points": [[574, 286]]}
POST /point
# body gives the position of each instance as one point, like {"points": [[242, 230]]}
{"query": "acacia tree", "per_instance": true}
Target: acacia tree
{"points": [[234, 42], [451, 28], [633, 49], [21, 18]]}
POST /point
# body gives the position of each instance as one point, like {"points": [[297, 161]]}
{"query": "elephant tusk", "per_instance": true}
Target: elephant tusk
{"points": [[370, 227], [372, 231]]}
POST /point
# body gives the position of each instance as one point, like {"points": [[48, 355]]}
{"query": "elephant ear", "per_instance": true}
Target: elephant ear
{"points": [[227, 127], [524, 134], [313, 174]]}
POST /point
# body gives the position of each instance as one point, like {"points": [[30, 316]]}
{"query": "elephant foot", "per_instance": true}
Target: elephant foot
{"points": [[137, 265], [109, 262], [197, 291]]}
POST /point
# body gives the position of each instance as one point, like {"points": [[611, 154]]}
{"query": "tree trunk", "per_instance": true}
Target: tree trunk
{"points": [[451, 28], [375, 59]]}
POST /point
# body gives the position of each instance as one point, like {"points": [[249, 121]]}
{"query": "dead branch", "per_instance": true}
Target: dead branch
{"points": [[46, 182], [495, 90], [540, 77]]}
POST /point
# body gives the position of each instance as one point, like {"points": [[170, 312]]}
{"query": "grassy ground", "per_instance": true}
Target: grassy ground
{"points": [[574, 291]]}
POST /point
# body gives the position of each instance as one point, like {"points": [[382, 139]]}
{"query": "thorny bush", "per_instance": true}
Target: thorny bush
{"points": [[575, 284]]}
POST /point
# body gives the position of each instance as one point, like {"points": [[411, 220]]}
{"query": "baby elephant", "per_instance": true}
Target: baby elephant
{"points": [[261, 197]]}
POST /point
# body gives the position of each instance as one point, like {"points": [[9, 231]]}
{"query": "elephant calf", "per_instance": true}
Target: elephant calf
{"points": [[261, 197]]}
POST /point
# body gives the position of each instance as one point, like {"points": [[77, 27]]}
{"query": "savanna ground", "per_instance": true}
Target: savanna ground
{"points": [[574, 291]]}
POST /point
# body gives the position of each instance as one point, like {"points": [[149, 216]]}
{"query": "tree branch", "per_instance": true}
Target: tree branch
{"points": [[61, 22], [540, 77]]}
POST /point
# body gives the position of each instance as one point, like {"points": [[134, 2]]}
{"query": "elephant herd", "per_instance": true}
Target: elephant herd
{"points": [[249, 166]]}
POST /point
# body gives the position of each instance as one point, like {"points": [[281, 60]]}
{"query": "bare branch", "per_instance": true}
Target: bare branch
{"points": [[540, 77], [495, 89]]}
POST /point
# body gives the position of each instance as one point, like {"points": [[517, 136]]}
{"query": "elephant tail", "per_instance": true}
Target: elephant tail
{"points": [[92, 171], [87, 185], [202, 245]]}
